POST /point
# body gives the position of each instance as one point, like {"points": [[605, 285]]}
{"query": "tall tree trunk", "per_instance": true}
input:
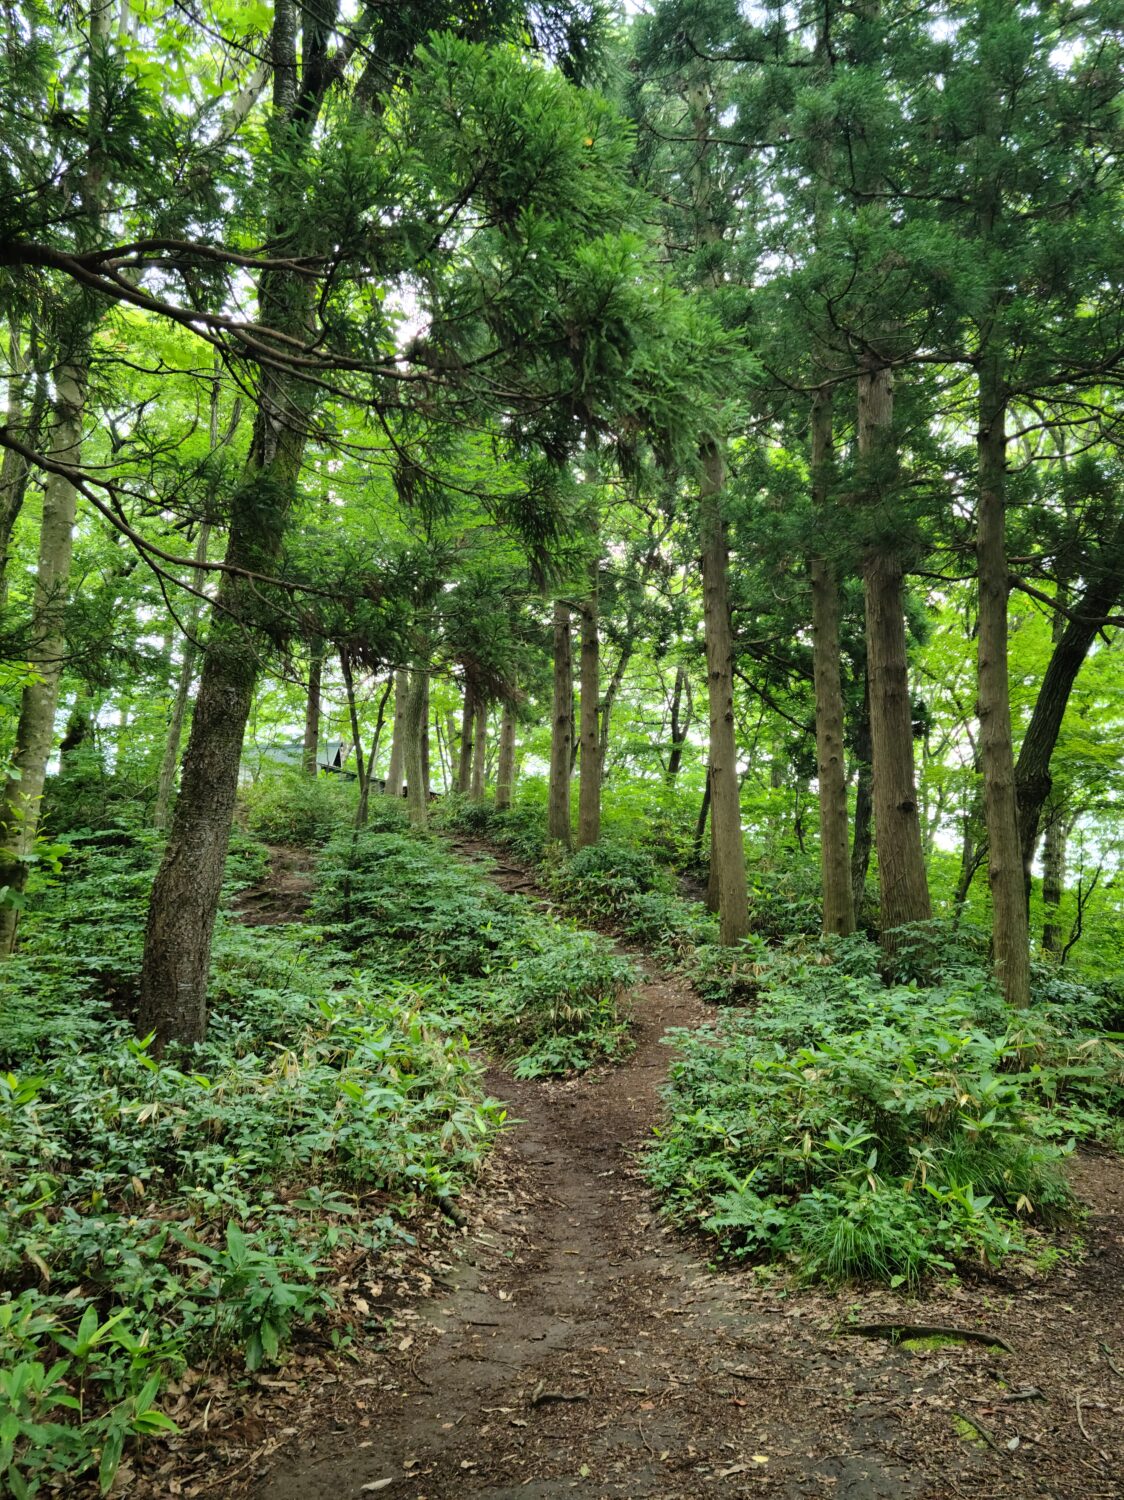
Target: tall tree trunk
{"points": [[682, 711], [589, 788], [427, 785], [609, 702], [1073, 639], [415, 732], [1053, 880], [861, 838], [171, 757], [728, 852], [19, 811], [838, 906], [185, 895], [468, 722], [505, 768], [310, 749], [904, 888], [479, 749], [23, 422], [1011, 937], [361, 767], [562, 729], [394, 772]]}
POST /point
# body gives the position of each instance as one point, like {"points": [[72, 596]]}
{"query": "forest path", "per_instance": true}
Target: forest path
{"points": [[575, 1346]]}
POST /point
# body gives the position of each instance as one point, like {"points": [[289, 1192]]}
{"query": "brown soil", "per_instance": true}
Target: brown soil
{"points": [[574, 1345], [283, 893]]}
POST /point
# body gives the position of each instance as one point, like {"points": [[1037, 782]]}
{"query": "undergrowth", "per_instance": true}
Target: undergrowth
{"points": [[161, 1213], [542, 994]]}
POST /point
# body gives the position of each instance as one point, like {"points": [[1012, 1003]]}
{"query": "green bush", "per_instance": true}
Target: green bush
{"points": [[856, 1130], [557, 1010], [288, 807]]}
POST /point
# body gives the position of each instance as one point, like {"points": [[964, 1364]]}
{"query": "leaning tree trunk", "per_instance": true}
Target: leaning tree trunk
{"points": [[727, 849], [505, 766], [185, 895], [25, 423], [903, 886], [1010, 932], [394, 774], [682, 708], [589, 788], [479, 749], [562, 729]]}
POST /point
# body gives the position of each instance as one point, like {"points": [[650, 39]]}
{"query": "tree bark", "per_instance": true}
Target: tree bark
{"points": [[394, 773], [479, 749], [505, 768], [1011, 937], [19, 811], [682, 712], [185, 895], [728, 852], [468, 724], [171, 757], [562, 729], [24, 423], [310, 750], [903, 885], [861, 837], [415, 731], [589, 788], [1072, 643], [1053, 880], [362, 767], [838, 906]]}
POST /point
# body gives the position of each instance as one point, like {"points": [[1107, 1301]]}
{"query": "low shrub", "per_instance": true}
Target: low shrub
{"points": [[855, 1130], [288, 807]]}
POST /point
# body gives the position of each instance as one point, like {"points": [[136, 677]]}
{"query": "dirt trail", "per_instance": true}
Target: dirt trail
{"points": [[577, 1347]]}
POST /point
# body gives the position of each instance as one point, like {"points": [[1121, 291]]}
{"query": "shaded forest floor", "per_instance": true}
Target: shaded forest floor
{"points": [[566, 1342]]}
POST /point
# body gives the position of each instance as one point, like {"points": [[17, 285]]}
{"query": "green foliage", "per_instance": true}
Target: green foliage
{"points": [[545, 995], [164, 1212], [856, 1130], [292, 808]]}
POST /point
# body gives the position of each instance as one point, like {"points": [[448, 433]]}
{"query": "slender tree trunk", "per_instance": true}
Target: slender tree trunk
{"points": [[25, 423], [1053, 881], [835, 865], [361, 767], [427, 785], [562, 729], [589, 789], [468, 722], [701, 821], [862, 836], [505, 768], [394, 773], [310, 750], [903, 885], [415, 731], [728, 852], [19, 811], [1011, 938], [609, 702], [682, 712], [171, 757], [479, 749]]}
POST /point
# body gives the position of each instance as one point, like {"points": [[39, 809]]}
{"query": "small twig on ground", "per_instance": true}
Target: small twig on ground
{"points": [[644, 1438], [977, 1426], [1085, 1430], [1115, 1368]]}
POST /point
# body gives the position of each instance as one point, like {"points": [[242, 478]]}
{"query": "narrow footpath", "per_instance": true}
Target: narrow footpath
{"points": [[577, 1346]]}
